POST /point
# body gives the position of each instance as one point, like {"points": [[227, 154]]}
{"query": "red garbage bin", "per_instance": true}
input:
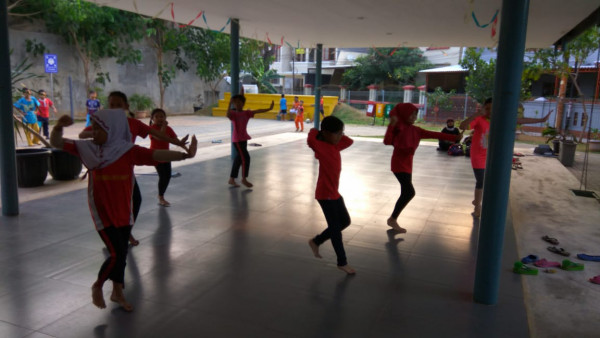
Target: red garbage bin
{"points": [[370, 108]]}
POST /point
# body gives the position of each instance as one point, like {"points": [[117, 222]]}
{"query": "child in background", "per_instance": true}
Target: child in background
{"points": [[282, 107], [110, 157], [158, 121], [448, 129], [405, 137], [28, 105], [239, 118], [92, 105], [299, 121], [327, 145], [44, 111]]}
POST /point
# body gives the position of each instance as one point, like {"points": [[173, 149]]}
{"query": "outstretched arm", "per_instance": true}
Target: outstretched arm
{"points": [[56, 139], [529, 120], [264, 110], [170, 155], [163, 137]]}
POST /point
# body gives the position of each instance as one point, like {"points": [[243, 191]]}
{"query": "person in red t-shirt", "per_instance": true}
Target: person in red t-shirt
{"points": [[327, 145], [480, 123], [405, 137], [44, 111], [158, 121], [118, 100], [110, 157], [239, 137]]}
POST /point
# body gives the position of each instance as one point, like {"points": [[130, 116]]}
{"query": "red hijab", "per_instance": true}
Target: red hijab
{"points": [[403, 111]]}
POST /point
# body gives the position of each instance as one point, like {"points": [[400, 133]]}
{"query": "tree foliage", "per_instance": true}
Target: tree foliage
{"points": [[386, 65]]}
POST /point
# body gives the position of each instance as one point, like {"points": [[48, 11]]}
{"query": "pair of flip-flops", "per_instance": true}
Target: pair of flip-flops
{"points": [[543, 263], [559, 251], [550, 240], [571, 266], [523, 269]]}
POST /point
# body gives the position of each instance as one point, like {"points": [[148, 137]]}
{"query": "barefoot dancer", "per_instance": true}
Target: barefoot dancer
{"points": [[110, 157], [405, 137], [327, 145], [239, 118]]}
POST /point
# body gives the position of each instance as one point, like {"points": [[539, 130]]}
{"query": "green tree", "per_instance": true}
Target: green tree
{"points": [[263, 76], [167, 40], [439, 99], [386, 65], [95, 32]]}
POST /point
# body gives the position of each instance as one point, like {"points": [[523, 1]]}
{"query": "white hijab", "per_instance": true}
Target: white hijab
{"points": [[118, 141]]}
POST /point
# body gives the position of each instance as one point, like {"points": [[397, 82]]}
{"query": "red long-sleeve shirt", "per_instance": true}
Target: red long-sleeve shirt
{"points": [[330, 165], [405, 139]]}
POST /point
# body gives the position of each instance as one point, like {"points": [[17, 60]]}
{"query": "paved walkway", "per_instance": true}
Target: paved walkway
{"points": [[234, 262]]}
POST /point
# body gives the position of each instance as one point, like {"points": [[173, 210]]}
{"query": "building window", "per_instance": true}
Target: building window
{"points": [[575, 117], [329, 54]]}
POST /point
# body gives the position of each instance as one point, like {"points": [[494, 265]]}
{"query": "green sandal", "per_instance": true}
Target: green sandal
{"points": [[523, 269], [571, 266]]}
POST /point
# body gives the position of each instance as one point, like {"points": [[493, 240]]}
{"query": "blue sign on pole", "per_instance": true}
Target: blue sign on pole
{"points": [[50, 63]]}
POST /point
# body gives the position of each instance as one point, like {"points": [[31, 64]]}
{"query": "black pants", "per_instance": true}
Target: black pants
{"points": [[242, 159], [115, 239], [407, 192], [136, 200], [44, 121], [164, 177], [338, 219], [479, 174]]}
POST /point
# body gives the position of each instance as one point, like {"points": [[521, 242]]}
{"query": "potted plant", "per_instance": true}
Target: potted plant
{"points": [[439, 99], [551, 134], [140, 104]]}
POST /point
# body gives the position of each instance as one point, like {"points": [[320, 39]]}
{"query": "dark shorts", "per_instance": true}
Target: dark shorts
{"points": [[283, 112]]}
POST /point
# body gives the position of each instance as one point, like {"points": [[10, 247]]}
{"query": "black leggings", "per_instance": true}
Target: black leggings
{"points": [[242, 159], [136, 199], [113, 268], [479, 174], [164, 177], [338, 219], [407, 192]]}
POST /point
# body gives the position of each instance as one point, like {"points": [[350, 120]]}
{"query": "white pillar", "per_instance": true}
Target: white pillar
{"points": [[342, 93], [308, 89], [408, 93], [372, 93]]}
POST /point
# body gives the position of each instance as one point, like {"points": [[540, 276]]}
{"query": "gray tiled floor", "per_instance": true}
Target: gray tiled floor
{"points": [[227, 262]]}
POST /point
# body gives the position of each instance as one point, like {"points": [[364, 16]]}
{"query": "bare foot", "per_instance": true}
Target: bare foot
{"points": [[98, 297], [163, 202], [246, 183], [394, 224], [315, 248], [122, 302], [133, 241], [232, 182], [347, 269]]}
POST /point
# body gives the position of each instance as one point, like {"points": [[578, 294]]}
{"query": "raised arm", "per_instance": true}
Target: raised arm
{"points": [[264, 110], [56, 139], [529, 120], [164, 137]]}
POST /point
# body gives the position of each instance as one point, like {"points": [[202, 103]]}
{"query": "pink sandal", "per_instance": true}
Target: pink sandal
{"points": [[543, 263], [595, 279]]}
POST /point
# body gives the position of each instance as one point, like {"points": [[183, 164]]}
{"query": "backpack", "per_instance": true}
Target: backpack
{"points": [[456, 150]]}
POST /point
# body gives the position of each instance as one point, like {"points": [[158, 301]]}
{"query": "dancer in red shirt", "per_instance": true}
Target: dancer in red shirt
{"points": [[44, 111], [327, 145], [158, 121], [405, 137], [110, 157]]}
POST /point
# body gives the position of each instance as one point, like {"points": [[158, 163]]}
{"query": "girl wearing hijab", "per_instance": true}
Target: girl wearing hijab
{"points": [[110, 157], [405, 137]]}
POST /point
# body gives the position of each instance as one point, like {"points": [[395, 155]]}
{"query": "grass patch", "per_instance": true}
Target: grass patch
{"points": [[351, 115]]}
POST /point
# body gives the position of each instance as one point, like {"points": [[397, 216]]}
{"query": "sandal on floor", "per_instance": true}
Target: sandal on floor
{"points": [[550, 240], [559, 251], [530, 259], [523, 269], [595, 279], [588, 257], [543, 263], [164, 204], [571, 266]]}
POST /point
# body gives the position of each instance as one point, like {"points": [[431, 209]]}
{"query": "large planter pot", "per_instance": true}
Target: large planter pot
{"points": [[64, 166], [566, 156], [32, 167]]}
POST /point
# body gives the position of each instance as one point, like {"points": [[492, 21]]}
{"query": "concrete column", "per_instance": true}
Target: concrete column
{"points": [[422, 101], [8, 165], [496, 186], [235, 67], [408, 93], [319, 59], [343, 91], [372, 92]]}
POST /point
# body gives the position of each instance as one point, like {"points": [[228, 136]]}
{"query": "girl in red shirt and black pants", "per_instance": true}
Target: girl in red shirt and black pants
{"points": [[405, 137], [110, 157], [327, 145]]}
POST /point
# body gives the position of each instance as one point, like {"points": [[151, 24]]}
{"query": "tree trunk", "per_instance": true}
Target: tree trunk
{"points": [[560, 107], [85, 60], [161, 85]]}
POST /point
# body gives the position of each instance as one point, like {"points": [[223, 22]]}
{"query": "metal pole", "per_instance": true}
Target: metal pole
{"points": [[71, 96], [235, 66], [52, 91], [465, 110], [293, 69], [319, 56], [509, 67], [8, 165]]}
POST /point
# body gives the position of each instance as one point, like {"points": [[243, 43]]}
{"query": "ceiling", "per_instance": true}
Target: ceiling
{"points": [[375, 23]]}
